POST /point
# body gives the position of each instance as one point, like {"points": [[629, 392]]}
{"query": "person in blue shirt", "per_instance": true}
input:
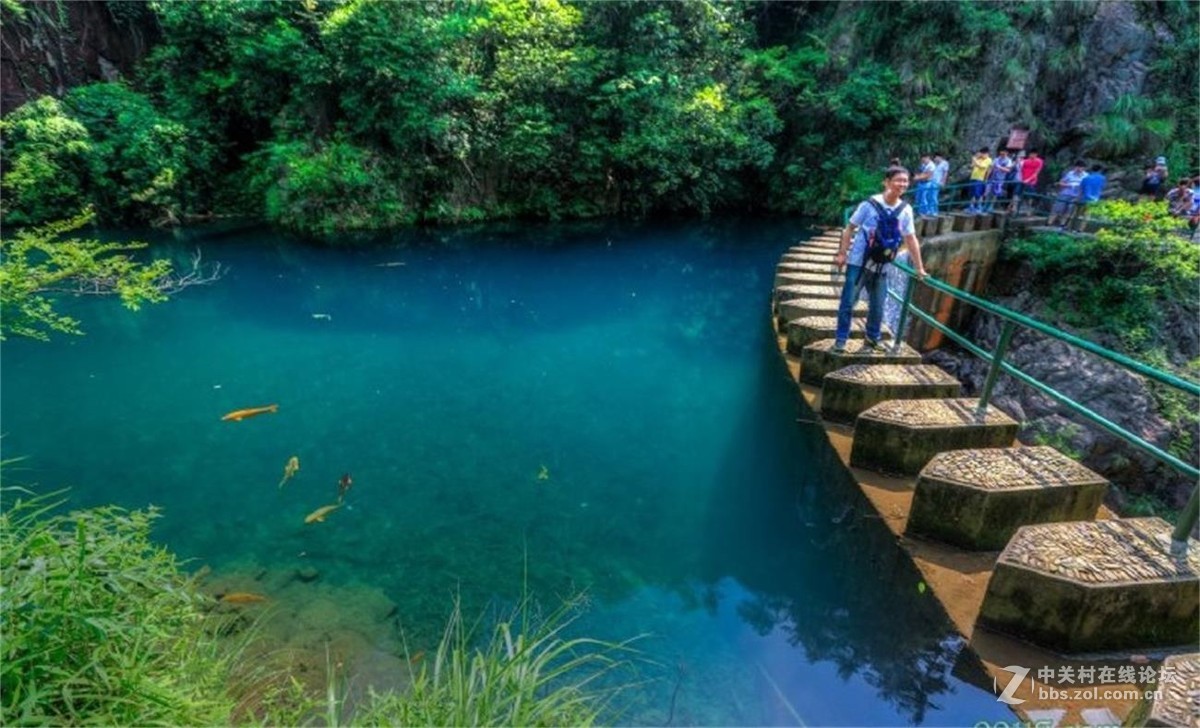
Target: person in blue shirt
{"points": [[863, 274], [1090, 189], [1068, 194], [941, 170]]}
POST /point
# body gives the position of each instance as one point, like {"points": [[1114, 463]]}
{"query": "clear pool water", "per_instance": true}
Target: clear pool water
{"points": [[524, 409]]}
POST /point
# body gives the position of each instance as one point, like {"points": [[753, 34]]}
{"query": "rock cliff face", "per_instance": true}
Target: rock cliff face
{"points": [[54, 46], [1064, 76]]}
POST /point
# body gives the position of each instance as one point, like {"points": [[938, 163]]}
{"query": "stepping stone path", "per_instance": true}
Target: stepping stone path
{"points": [[1063, 580]]}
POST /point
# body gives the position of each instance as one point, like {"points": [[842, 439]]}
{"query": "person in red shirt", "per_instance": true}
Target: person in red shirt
{"points": [[1030, 168]]}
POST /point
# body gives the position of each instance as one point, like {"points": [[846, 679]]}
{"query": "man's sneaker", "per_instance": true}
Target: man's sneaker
{"points": [[871, 346], [839, 347]]}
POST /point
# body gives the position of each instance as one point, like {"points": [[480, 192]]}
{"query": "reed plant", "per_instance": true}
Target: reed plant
{"points": [[526, 672], [97, 624]]}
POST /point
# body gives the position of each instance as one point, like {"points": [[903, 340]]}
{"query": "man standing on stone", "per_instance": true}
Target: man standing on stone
{"points": [[861, 272], [1027, 177], [941, 170]]}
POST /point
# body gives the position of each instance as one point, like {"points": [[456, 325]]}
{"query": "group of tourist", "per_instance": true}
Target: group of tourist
{"points": [[886, 220]]}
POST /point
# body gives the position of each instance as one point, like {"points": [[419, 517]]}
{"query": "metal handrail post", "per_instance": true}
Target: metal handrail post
{"points": [[1187, 521], [898, 334], [1006, 334]]}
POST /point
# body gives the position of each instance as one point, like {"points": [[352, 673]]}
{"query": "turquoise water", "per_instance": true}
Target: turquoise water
{"points": [[541, 408]]}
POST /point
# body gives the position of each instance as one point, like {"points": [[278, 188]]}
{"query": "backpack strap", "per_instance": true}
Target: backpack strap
{"points": [[881, 210]]}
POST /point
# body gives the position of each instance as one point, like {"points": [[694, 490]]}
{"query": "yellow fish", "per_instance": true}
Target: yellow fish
{"points": [[318, 516], [544, 473], [242, 598], [239, 415], [293, 464]]}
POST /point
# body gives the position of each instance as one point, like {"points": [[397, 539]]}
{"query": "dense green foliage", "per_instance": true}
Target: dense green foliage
{"points": [[36, 263], [103, 146], [1121, 280], [331, 115], [98, 625]]}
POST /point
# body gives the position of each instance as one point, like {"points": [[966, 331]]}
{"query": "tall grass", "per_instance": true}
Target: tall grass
{"points": [[526, 673], [97, 624]]}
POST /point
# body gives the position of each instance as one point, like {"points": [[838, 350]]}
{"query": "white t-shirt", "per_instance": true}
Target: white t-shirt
{"points": [[866, 218]]}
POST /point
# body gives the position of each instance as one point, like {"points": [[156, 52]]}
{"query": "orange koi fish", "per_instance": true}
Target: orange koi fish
{"points": [[318, 516], [293, 464], [242, 598], [239, 415]]}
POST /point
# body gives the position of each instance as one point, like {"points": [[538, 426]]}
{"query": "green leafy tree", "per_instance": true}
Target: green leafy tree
{"points": [[37, 264], [138, 160], [46, 154]]}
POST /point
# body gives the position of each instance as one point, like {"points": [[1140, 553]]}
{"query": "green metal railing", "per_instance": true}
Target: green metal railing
{"points": [[995, 359], [956, 198]]}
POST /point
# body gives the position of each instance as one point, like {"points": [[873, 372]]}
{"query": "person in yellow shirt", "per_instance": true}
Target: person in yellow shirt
{"points": [[981, 164]]}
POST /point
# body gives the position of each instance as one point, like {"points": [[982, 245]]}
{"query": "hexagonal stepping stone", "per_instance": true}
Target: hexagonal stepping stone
{"points": [[805, 267], [819, 358], [828, 247], [848, 391], [789, 293], [1093, 586], [809, 329], [977, 499], [822, 246], [809, 279], [801, 307], [812, 256], [1179, 704], [901, 436]]}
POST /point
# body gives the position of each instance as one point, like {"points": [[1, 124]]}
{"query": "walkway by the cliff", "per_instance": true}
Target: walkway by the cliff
{"points": [[1014, 541]]}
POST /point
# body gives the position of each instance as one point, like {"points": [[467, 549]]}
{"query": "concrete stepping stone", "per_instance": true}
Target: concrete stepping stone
{"points": [[805, 267], [788, 293], [901, 436], [811, 279], [809, 329], [819, 358], [848, 391], [811, 256], [1179, 704], [821, 248], [1092, 586], [801, 307], [977, 499]]}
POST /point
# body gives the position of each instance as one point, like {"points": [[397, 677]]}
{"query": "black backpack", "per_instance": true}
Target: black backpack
{"points": [[884, 241]]}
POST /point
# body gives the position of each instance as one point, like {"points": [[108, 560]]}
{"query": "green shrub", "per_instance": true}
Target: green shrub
{"points": [[98, 624], [330, 188], [138, 160], [1119, 280], [46, 154]]}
